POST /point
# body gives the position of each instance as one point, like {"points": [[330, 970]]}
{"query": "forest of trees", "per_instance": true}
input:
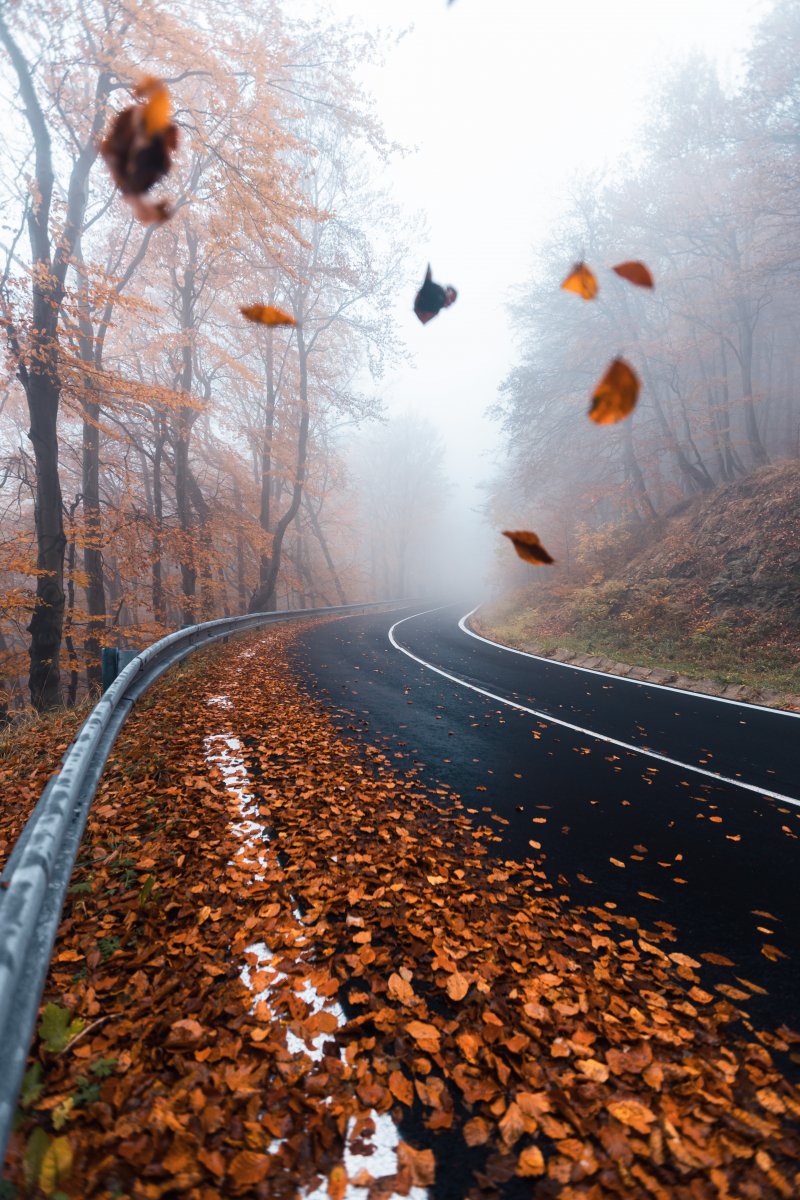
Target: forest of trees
{"points": [[162, 461], [709, 201]]}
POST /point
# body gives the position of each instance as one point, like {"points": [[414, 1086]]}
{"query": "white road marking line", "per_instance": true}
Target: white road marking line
{"points": [[543, 716], [664, 687], [224, 750]]}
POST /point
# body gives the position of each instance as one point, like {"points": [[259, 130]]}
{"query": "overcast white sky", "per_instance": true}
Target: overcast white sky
{"points": [[507, 101]]}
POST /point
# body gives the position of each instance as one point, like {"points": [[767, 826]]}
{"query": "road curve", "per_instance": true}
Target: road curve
{"points": [[617, 786]]}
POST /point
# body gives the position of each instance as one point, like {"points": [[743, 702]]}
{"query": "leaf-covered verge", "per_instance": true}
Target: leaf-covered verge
{"points": [[514, 1034], [710, 594], [31, 749]]}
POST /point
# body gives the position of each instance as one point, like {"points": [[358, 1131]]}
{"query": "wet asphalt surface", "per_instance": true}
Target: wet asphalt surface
{"points": [[717, 862]]}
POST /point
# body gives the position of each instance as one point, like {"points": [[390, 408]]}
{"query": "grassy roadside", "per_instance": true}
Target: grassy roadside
{"points": [[647, 631]]}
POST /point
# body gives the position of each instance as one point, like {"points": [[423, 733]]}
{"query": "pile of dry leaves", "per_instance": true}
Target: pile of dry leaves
{"points": [[522, 1035]]}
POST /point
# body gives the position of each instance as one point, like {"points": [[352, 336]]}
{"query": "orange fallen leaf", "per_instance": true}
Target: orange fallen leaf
{"points": [[400, 989], [633, 1113], [530, 1162], [457, 986], [616, 394], [337, 1183], [267, 314], [528, 546], [420, 1164], [718, 960], [476, 1131], [426, 1036], [635, 272], [581, 281], [593, 1069]]}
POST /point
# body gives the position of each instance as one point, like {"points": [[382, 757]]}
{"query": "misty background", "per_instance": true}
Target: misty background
{"points": [[200, 466]]}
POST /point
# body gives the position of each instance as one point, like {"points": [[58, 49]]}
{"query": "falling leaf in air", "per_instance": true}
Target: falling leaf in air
{"points": [[528, 546], [139, 146], [432, 298], [635, 272], [581, 281], [615, 395], [267, 314]]}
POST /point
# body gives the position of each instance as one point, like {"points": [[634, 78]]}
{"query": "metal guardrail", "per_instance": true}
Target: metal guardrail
{"points": [[36, 876]]}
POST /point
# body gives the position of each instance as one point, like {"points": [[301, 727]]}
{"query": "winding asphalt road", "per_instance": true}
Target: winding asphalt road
{"points": [[675, 808]]}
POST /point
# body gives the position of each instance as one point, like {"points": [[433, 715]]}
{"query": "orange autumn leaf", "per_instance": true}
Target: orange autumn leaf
{"points": [[337, 1183], [616, 394], [420, 1164], [457, 986], [581, 281], [772, 952], [593, 1069], [426, 1036], [401, 1089], [476, 1131], [512, 1124], [248, 1167], [528, 546], [635, 272], [400, 989], [157, 112], [266, 314], [633, 1113], [530, 1162], [718, 960]]}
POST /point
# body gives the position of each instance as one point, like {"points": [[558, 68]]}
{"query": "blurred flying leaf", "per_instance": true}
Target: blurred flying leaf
{"points": [[528, 546], [616, 394], [635, 272], [266, 314], [138, 149], [581, 281]]}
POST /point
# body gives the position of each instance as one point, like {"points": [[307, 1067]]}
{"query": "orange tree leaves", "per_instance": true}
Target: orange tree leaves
{"points": [[197, 1086]]}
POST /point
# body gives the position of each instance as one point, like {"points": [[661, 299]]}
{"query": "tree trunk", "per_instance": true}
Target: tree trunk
{"points": [[92, 547], [263, 599]]}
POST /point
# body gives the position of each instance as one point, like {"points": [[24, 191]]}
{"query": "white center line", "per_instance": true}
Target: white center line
{"points": [[544, 716]]}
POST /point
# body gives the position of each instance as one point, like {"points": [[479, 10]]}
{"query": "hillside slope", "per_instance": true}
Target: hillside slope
{"points": [[710, 593]]}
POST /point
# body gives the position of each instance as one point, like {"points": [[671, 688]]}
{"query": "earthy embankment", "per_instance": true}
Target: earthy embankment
{"points": [[706, 599]]}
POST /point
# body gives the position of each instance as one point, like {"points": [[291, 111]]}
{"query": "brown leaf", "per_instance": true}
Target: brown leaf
{"points": [[477, 1131], [400, 989], [457, 986], [512, 1124], [616, 394], [719, 960], [248, 1167], [530, 1162], [426, 1036], [267, 314], [401, 1088], [635, 272], [633, 1113], [581, 280], [528, 546], [420, 1164], [593, 1069]]}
